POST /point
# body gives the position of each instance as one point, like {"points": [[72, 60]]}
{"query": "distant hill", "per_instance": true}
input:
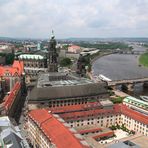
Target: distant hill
{"points": [[75, 39], [109, 39]]}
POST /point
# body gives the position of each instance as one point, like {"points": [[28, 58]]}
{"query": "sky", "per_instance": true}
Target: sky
{"points": [[74, 18]]}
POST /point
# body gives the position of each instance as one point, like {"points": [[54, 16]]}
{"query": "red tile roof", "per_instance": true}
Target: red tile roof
{"points": [[79, 114], [74, 46], [74, 108], [8, 100], [104, 135], [55, 130], [19, 65], [117, 108], [16, 68], [134, 114]]}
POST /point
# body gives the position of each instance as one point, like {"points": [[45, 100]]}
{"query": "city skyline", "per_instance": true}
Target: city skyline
{"points": [[76, 18]]}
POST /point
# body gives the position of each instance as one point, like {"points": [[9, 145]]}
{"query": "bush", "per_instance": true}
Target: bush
{"points": [[113, 127], [117, 100]]}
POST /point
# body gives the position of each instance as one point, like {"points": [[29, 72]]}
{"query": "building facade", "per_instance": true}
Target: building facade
{"points": [[12, 86], [33, 64], [60, 89], [52, 131], [103, 117], [137, 104]]}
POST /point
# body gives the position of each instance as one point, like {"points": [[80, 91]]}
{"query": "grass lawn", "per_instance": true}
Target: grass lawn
{"points": [[143, 59]]}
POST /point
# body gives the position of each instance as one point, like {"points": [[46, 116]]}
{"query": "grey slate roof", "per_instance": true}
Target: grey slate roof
{"points": [[11, 138], [15, 140]]}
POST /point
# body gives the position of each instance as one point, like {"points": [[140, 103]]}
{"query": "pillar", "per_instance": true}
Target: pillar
{"points": [[130, 87], [113, 87]]}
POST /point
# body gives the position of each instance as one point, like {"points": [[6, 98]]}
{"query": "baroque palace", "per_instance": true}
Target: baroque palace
{"points": [[69, 111]]}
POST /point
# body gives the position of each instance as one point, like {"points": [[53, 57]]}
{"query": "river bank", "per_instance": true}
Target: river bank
{"points": [[143, 60], [99, 55]]}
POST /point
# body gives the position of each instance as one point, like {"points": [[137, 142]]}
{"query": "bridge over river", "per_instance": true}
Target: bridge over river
{"points": [[129, 83]]}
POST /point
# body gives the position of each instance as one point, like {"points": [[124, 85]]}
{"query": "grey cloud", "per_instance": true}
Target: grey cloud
{"points": [[35, 18]]}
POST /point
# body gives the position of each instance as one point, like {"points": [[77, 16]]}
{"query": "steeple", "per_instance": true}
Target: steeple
{"points": [[52, 64], [52, 34]]}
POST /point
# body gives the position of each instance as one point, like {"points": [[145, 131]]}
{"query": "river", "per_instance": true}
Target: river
{"points": [[122, 66]]}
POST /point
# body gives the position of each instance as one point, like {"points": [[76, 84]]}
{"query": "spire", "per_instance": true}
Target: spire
{"points": [[52, 34]]}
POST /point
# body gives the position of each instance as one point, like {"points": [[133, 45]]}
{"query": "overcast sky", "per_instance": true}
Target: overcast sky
{"points": [[74, 18]]}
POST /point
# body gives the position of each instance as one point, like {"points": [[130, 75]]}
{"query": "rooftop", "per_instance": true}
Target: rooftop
{"points": [[95, 112], [106, 103], [117, 108], [56, 79], [31, 56], [56, 131], [124, 145], [134, 114], [130, 98], [9, 99], [74, 108], [10, 135], [74, 46], [61, 85], [15, 70]]}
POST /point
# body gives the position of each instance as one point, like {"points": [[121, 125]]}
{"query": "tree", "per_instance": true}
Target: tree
{"points": [[65, 62], [9, 57]]}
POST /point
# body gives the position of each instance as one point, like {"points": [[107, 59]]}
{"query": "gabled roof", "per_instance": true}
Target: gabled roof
{"points": [[16, 69], [74, 46], [74, 108], [54, 130], [8, 100], [117, 108], [19, 65], [88, 113], [134, 114]]}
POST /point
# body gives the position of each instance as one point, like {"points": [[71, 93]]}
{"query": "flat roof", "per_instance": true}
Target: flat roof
{"points": [[60, 85], [106, 102], [55, 79], [139, 140]]}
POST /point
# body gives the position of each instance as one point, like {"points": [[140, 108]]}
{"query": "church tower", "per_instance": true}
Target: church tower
{"points": [[52, 54]]}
